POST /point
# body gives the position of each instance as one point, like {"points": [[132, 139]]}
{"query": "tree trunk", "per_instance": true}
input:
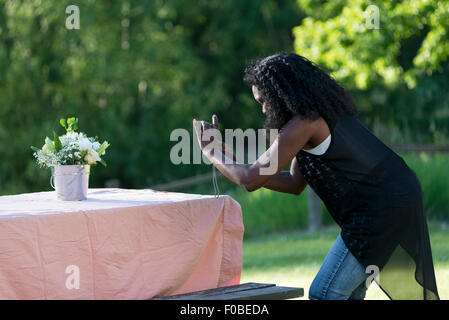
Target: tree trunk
{"points": [[314, 210]]}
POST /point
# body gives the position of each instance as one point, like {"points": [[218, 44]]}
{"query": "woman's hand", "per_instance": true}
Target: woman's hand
{"points": [[201, 127], [226, 152]]}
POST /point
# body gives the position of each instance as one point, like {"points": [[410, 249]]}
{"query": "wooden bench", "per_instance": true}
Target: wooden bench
{"points": [[246, 291]]}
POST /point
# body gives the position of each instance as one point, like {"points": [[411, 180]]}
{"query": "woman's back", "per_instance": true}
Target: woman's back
{"points": [[376, 199]]}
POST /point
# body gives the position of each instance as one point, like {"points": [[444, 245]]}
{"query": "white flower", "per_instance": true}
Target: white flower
{"points": [[45, 149], [74, 146], [96, 145], [85, 144], [73, 134], [92, 157]]}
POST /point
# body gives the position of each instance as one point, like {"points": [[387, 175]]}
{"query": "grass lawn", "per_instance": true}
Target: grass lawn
{"points": [[293, 258]]}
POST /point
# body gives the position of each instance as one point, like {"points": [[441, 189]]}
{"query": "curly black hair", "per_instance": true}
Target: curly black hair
{"points": [[292, 85]]}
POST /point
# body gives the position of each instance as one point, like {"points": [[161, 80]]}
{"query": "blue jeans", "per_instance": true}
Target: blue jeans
{"points": [[341, 276]]}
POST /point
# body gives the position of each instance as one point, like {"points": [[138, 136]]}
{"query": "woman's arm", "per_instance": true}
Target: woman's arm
{"points": [[293, 137], [285, 181], [288, 181]]}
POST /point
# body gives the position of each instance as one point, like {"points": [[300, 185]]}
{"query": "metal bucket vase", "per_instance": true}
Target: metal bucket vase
{"points": [[70, 181]]}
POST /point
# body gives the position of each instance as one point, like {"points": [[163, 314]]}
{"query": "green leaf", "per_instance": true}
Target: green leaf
{"points": [[57, 142], [103, 163], [103, 147], [63, 122], [72, 124], [50, 145]]}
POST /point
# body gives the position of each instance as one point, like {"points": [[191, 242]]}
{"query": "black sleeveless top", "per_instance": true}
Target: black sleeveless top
{"points": [[376, 199]]}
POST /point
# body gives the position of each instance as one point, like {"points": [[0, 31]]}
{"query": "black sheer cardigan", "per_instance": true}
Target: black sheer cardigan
{"points": [[376, 199]]}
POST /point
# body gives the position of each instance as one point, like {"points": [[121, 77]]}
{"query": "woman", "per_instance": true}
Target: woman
{"points": [[368, 189]]}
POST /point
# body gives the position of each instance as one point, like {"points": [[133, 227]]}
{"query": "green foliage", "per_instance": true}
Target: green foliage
{"points": [[433, 173], [398, 73], [103, 148], [63, 123], [412, 39], [266, 211], [50, 144], [70, 125], [133, 72], [57, 142]]}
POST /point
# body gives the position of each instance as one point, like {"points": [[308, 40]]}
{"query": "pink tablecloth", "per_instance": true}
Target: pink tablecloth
{"points": [[118, 244]]}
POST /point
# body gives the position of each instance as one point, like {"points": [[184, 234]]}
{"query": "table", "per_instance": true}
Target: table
{"points": [[118, 244]]}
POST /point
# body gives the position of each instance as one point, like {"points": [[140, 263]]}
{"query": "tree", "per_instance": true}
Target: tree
{"points": [[134, 71], [396, 72]]}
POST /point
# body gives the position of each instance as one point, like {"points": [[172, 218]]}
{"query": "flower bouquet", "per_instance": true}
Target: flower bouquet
{"points": [[69, 156]]}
